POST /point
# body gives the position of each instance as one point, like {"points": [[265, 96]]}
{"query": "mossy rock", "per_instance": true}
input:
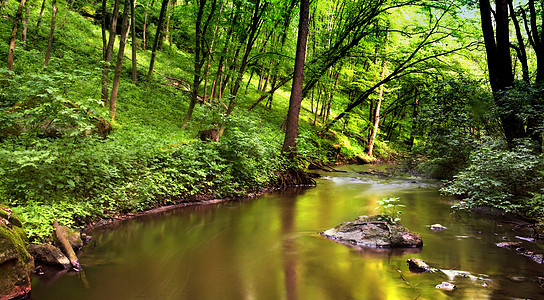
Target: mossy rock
{"points": [[16, 264]]}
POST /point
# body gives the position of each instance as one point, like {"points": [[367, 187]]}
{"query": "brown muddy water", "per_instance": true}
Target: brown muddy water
{"points": [[269, 248]]}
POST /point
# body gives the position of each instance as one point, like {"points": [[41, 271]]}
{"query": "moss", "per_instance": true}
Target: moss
{"points": [[12, 217], [10, 239]]}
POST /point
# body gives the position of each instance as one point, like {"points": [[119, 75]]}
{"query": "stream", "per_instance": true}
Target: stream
{"points": [[269, 248]]}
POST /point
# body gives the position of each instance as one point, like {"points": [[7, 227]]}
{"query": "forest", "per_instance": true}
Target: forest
{"points": [[111, 107]]}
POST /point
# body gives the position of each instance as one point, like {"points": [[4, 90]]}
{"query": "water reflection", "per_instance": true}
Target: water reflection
{"points": [[268, 248]]}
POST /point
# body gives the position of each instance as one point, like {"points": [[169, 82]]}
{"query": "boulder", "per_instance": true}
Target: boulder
{"points": [[371, 231], [48, 254], [16, 264]]}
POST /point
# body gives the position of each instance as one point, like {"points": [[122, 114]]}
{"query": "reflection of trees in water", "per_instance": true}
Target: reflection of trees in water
{"points": [[288, 212]]}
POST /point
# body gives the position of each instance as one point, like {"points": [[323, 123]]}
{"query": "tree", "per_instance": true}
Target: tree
{"points": [[291, 131], [51, 34], [18, 18], [200, 55], [120, 56], [38, 24], [417, 57], [497, 46], [133, 41], [376, 114], [158, 36], [108, 52]]}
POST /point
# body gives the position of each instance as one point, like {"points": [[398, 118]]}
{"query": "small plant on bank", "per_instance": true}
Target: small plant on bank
{"points": [[389, 208]]}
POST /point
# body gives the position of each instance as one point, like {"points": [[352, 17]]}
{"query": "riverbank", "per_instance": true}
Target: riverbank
{"points": [[217, 251]]}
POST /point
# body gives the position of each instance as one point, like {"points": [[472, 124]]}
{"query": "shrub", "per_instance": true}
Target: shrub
{"points": [[499, 178]]}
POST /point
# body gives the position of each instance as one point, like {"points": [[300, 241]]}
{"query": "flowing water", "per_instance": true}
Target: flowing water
{"points": [[269, 248]]}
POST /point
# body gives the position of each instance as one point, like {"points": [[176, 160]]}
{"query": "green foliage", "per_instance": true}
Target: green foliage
{"points": [[389, 209], [41, 105], [455, 120], [38, 217], [500, 178]]}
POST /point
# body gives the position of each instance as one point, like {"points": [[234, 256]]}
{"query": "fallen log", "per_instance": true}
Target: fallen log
{"points": [[66, 246]]}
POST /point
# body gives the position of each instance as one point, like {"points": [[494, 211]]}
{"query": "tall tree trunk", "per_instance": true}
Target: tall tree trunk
{"points": [[51, 34], [13, 38], [199, 35], [133, 40], [109, 53], [38, 24], [536, 39], [158, 36], [120, 55], [291, 131], [25, 25], [500, 65]]}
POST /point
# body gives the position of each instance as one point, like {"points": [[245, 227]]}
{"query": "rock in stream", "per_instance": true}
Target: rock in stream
{"points": [[371, 231]]}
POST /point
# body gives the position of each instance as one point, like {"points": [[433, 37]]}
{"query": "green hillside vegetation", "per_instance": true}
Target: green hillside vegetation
{"points": [[65, 156]]}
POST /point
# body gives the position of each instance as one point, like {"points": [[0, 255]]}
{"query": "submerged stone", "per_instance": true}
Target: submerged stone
{"points": [[371, 231], [438, 227], [446, 286], [417, 265]]}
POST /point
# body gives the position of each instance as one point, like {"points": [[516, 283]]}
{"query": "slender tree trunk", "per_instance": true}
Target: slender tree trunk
{"points": [[414, 121], [158, 36], [376, 114], [133, 40], [120, 55], [144, 34], [109, 53], [249, 80], [38, 24], [13, 38], [209, 56], [51, 34], [520, 48], [104, 38], [317, 107], [25, 24], [197, 62], [291, 132], [68, 8], [167, 30]]}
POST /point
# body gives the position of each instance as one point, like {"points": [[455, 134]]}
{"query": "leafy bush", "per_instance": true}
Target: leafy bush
{"points": [[499, 178]]}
